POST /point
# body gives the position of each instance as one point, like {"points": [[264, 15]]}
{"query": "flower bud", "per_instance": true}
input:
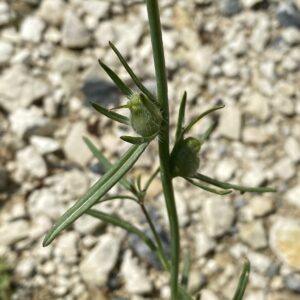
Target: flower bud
{"points": [[142, 121], [185, 160]]}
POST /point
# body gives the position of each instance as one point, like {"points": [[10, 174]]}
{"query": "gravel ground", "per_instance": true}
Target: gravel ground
{"points": [[244, 53]]}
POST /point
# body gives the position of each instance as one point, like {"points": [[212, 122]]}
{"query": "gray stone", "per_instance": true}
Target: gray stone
{"points": [[98, 87], [257, 105], [12, 232], [69, 185], [201, 60], [96, 8], [134, 275], [291, 36], [44, 145], [74, 147], [67, 247], [225, 169], [253, 234], [259, 262], [288, 14], [52, 11], [32, 29], [292, 148], [230, 7], [218, 216], [97, 265], [45, 202], [207, 294], [31, 161], [260, 35], [26, 122], [19, 88], [261, 206], [204, 244], [25, 267], [65, 62], [87, 225], [74, 33], [284, 169], [292, 282], [6, 14], [6, 51], [231, 68], [293, 195], [251, 3], [285, 242], [230, 123], [256, 135]]}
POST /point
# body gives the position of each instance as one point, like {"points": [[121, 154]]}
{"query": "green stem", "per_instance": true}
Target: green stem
{"points": [[164, 155], [163, 257]]}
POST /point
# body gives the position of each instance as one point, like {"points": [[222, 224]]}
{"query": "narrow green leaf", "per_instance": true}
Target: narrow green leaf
{"points": [[181, 115], [201, 116], [226, 186], [241, 288], [111, 114], [104, 162], [137, 140], [131, 73], [151, 107], [151, 178], [184, 294], [186, 270], [207, 133], [208, 189], [114, 220], [117, 80], [99, 189]]}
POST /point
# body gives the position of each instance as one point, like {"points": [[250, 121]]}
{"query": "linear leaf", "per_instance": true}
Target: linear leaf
{"points": [[208, 189], [114, 220], [207, 133], [137, 140], [117, 80], [110, 114], [104, 162], [100, 188], [131, 73], [186, 270], [201, 116], [225, 185], [241, 288], [181, 115]]}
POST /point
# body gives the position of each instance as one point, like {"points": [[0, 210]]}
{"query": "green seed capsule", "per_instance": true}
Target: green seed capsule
{"points": [[142, 121], [185, 159]]}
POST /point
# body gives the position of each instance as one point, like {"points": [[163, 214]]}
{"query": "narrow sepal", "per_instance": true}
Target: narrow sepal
{"points": [[137, 140], [201, 116], [209, 189], [181, 115], [151, 107], [226, 185], [110, 114], [117, 80], [131, 73]]}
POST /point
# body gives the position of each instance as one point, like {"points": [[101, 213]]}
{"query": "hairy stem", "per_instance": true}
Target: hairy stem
{"points": [[164, 154]]}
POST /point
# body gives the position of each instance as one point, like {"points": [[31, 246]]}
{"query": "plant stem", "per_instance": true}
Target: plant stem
{"points": [[163, 258], [164, 154]]}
